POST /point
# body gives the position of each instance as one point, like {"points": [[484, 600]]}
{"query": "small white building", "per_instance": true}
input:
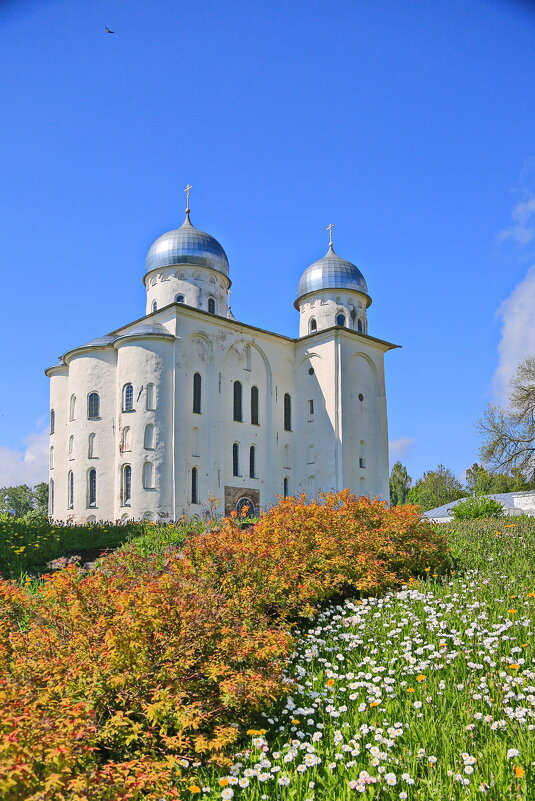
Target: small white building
{"points": [[186, 410], [514, 503]]}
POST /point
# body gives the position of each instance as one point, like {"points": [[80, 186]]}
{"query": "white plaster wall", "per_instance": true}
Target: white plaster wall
{"points": [[197, 284], [324, 306], [142, 360], [59, 379], [91, 371]]}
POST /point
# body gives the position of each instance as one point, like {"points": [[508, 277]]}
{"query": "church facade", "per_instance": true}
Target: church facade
{"points": [[187, 411]]}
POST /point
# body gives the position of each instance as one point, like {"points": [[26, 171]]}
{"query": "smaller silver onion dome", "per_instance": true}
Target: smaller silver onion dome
{"points": [[330, 272], [187, 245]]}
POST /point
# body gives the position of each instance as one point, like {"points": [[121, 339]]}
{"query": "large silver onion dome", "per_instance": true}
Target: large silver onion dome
{"points": [[187, 245], [331, 272]]}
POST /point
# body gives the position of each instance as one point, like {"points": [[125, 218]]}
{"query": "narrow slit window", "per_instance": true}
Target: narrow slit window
{"points": [[310, 410], [313, 326], [51, 497], [92, 487], [197, 393], [148, 475], [235, 459], [238, 411], [211, 305], [287, 412], [51, 457], [72, 408], [92, 446], [340, 319], [286, 487], [150, 398], [71, 447], [195, 485], [154, 306], [127, 485], [149, 436], [70, 490], [254, 405], [52, 421], [252, 462]]}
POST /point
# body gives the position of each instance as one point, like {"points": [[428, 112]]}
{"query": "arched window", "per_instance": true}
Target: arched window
{"points": [[154, 306], [311, 458], [211, 305], [311, 487], [235, 459], [126, 485], [312, 325], [149, 436], [52, 421], [126, 444], [245, 504], [362, 457], [72, 408], [252, 462], [151, 398], [359, 325], [51, 497], [92, 487], [51, 463], [195, 485], [92, 446], [287, 412], [310, 410], [70, 490], [195, 443], [286, 456], [238, 412], [93, 406], [286, 486], [179, 299], [254, 405], [71, 447], [128, 398], [148, 475], [340, 319], [197, 393]]}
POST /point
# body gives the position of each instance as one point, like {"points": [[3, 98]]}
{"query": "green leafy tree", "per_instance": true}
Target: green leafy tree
{"points": [[435, 488], [400, 484], [40, 493], [480, 481], [20, 499], [509, 434], [477, 507]]}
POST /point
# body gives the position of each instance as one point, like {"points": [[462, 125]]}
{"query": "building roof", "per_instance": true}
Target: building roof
{"points": [[507, 500]]}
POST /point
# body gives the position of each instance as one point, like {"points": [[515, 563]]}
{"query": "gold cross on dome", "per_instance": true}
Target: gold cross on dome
{"points": [[330, 230], [187, 191]]}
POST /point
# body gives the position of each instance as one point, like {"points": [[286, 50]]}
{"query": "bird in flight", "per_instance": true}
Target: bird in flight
{"points": [[108, 30]]}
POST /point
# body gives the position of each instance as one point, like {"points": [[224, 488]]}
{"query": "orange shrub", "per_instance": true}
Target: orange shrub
{"points": [[110, 678]]}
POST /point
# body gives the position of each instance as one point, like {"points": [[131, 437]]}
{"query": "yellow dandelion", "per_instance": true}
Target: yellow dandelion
{"points": [[410, 689], [194, 789], [374, 703], [519, 771], [295, 721], [223, 782], [512, 611], [421, 677], [330, 682], [531, 595], [514, 667]]}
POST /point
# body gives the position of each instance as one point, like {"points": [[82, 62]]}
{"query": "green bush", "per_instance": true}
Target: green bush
{"points": [[479, 506]]}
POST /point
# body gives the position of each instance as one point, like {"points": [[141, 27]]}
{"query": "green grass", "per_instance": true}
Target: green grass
{"points": [[26, 548], [427, 693]]}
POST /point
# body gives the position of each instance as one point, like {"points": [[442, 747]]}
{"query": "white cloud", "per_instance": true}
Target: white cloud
{"points": [[522, 229], [517, 342], [398, 448], [27, 466]]}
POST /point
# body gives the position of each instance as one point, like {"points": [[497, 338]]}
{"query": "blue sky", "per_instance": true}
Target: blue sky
{"points": [[409, 124]]}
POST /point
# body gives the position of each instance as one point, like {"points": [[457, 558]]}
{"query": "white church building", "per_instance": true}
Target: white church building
{"points": [[187, 410]]}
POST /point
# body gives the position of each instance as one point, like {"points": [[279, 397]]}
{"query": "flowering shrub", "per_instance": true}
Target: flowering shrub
{"points": [[112, 681]]}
